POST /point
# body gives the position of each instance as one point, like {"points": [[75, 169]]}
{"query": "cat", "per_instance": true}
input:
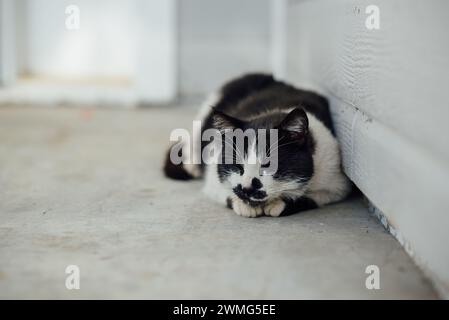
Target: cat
{"points": [[309, 173]]}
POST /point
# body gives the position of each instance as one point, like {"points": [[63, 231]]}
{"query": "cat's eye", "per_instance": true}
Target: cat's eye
{"points": [[263, 171], [240, 168]]}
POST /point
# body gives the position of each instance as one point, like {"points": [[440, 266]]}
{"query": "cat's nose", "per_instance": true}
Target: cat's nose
{"points": [[256, 184], [248, 191], [251, 192]]}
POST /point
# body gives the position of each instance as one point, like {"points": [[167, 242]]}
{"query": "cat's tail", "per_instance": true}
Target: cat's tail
{"points": [[181, 171]]}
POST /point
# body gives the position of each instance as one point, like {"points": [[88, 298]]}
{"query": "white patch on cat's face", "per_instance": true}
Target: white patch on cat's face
{"points": [[251, 170], [272, 187]]}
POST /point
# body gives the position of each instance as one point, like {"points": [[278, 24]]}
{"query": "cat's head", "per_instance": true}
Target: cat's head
{"points": [[250, 172]]}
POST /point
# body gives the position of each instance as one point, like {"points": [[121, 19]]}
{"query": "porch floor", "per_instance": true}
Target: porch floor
{"points": [[84, 187]]}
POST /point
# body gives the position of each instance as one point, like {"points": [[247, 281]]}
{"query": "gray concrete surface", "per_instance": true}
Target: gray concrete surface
{"points": [[84, 187]]}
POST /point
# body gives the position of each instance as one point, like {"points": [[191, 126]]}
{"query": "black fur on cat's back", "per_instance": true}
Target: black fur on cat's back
{"points": [[253, 94]]}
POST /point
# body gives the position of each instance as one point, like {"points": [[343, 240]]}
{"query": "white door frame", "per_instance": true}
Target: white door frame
{"points": [[8, 63], [278, 42], [160, 45]]}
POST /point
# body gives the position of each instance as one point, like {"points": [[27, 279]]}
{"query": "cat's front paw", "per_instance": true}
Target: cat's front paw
{"points": [[274, 208], [244, 210]]}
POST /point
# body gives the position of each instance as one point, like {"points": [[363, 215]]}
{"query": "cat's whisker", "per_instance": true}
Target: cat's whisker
{"points": [[275, 143], [231, 144], [282, 145], [237, 153]]}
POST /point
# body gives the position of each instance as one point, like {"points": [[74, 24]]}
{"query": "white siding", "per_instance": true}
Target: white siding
{"points": [[389, 98]]}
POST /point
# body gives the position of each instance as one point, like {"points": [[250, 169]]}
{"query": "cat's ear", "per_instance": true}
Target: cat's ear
{"points": [[222, 121], [296, 124]]}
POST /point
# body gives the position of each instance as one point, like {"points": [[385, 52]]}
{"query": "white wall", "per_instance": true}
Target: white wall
{"points": [[156, 58], [219, 40], [118, 39], [389, 98], [105, 45], [135, 39]]}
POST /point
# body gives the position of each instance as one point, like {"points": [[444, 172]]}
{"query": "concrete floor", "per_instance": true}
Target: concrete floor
{"points": [[84, 187]]}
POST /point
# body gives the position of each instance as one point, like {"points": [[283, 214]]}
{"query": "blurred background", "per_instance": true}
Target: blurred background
{"points": [[131, 52], [90, 91]]}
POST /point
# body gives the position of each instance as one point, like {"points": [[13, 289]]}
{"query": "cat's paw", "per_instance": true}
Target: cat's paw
{"points": [[244, 210], [274, 208]]}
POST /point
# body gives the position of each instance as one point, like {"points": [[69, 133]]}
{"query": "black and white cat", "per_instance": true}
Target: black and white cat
{"points": [[308, 171]]}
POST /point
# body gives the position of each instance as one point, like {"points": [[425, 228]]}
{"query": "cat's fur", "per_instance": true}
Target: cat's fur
{"points": [[309, 168]]}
